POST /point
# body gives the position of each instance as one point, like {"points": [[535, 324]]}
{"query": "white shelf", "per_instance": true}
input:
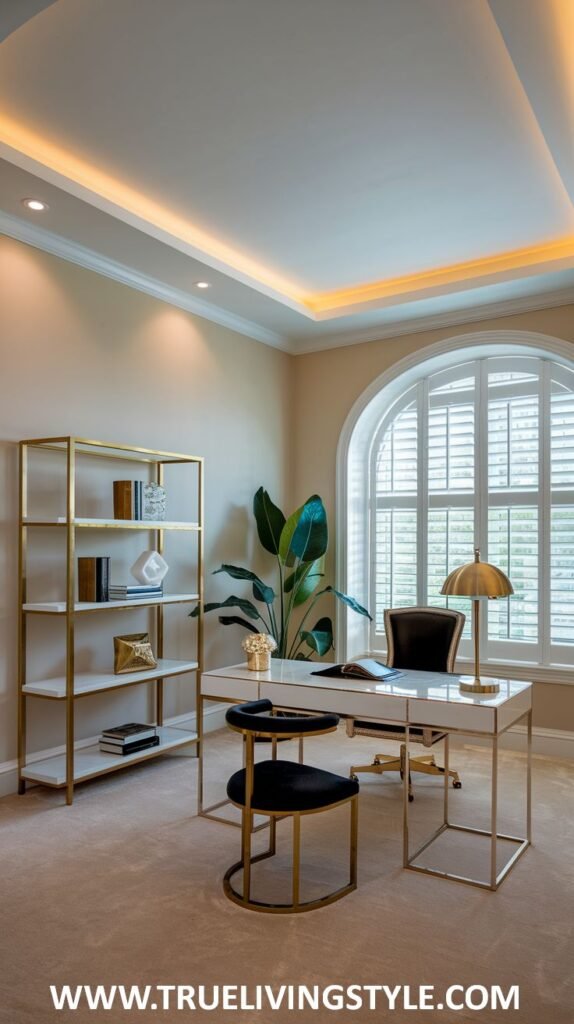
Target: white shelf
{"points": [[90, 761], [94, 682], [114, 524], [59, 607]]}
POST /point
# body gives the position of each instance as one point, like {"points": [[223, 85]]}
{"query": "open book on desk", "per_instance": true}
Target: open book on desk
{"points": [[363, 668]]}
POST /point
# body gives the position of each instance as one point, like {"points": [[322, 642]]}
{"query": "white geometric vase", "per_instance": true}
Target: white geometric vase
{"points": [[150, 568]]}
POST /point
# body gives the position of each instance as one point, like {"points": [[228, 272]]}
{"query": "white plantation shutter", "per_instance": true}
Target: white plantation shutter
{"points": [[482, 454]]}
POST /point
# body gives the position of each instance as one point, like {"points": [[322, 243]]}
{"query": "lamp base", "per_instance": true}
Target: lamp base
{"points": [[469, 685]]}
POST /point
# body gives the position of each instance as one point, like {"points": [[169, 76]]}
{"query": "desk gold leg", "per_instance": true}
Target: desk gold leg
{"points": [[446, 776], [494, 813], [406, 774], [529, 777]]}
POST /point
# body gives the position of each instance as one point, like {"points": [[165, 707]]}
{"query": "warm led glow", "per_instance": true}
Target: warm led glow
{"points": [[435, 281], [87, 183], [34, 204], [125, 202]]}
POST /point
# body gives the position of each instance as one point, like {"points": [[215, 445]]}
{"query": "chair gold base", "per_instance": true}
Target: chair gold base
{"points": [[427, 765], [296, 906]]}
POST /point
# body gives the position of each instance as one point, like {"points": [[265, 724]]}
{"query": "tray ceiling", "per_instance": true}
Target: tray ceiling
{"points": [[328, 169]]}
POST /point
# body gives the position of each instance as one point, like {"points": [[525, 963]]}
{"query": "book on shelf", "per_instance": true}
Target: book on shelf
{"points": [[94, 578], [129, 748], [129, 591], [129, 732], [363, 668], [128, 499]]}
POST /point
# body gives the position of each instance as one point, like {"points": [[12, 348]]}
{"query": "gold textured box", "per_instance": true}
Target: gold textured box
{"points": [[133, 653]]}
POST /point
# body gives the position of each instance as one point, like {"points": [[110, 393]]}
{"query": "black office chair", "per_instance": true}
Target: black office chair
{"points": [[417, 638], [281, 789]]}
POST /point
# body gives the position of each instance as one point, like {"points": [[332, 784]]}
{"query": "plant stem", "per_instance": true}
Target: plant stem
{"points": [[282, 637], [303, 620]]}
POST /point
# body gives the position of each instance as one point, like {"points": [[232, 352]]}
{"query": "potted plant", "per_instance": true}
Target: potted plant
{"points": [[299, 544]]}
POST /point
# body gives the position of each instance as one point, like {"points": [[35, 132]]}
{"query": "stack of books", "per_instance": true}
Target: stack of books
{"points": [[93, 578], [128, 739], [132, 591]]}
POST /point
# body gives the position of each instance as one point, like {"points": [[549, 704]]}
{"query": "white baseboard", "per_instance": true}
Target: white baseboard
{"points": [[214, 718], [545, 742]]}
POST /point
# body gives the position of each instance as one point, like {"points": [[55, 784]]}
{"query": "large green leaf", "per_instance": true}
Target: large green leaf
{"points": [[247, 607], [305, 534], [320, 638], [349, 601], [261, 592], [305, 579], [270, 521], [285, 554], [236, 620], [311, 535]]}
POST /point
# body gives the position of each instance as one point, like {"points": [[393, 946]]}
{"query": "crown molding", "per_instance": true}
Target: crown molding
{"points": [[72, 252], [434, 321]]}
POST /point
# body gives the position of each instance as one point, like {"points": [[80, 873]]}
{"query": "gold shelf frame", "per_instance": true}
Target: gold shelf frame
{"points": [[73, 448]]}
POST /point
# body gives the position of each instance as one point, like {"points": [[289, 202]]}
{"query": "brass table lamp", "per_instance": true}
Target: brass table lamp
{"points": [[477, 580]]}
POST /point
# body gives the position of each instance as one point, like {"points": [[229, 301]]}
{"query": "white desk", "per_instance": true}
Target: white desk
{"points": [[413, 699]]}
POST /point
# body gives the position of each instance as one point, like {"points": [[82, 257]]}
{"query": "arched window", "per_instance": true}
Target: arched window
{"points": [[480, 453]]}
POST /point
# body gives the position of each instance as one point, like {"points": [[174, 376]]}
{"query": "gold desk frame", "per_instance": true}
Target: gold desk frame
{"points": [[523, 842]]}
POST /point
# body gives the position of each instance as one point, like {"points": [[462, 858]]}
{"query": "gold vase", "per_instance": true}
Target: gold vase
{"points": [[259, 661]]}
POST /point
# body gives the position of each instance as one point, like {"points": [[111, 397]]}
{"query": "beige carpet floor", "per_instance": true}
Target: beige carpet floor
{"points": [[125, 888]]}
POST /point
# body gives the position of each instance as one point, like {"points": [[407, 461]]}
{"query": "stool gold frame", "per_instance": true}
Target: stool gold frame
{"points": [[243, 899]]}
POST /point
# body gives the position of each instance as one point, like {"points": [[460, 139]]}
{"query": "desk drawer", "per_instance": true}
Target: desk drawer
{"points": [[221, 688], [452, 716], [350, 703]]}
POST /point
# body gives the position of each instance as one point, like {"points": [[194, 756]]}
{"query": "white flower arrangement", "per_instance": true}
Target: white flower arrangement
{"points": [[258, 643]]}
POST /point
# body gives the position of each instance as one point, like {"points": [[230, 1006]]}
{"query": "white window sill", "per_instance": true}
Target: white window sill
{"points": [[562, 675]]}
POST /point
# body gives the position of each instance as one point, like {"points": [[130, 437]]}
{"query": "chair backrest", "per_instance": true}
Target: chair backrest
{"points": [[423, 638], [256, 717]]}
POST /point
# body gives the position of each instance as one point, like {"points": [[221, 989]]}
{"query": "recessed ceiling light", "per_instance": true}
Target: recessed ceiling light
{"points": [[202, 284], [35, 204]]}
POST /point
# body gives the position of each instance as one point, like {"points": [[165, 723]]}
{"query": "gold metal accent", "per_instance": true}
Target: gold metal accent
{"points": [[70, 623], [258, 661], [72, 448], [132, 653], [22, 584], [477, 580], [243, 899]]}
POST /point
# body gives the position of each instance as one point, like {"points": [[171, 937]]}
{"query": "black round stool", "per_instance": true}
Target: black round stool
{"points": [[281, 789]]}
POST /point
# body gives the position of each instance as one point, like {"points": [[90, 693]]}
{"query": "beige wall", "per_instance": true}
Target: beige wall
{"points": [[83, 355], [328, 383]]}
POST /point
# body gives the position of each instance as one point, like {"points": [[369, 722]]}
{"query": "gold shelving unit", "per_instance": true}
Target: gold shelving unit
{"points": [[79, 763]]}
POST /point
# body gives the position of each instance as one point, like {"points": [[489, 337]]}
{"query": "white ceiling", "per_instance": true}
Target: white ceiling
{"points": [[332, 169]]}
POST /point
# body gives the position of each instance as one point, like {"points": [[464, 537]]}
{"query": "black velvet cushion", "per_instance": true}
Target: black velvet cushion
{"points": [[421, 640], [288, 786], [253, 718]]}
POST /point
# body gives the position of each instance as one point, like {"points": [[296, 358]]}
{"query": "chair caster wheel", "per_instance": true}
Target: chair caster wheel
{"points": [[411, 798], [457, 785]]}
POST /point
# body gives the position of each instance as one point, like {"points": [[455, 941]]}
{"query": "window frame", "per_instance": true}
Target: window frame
{"points": [[391, 392]]}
